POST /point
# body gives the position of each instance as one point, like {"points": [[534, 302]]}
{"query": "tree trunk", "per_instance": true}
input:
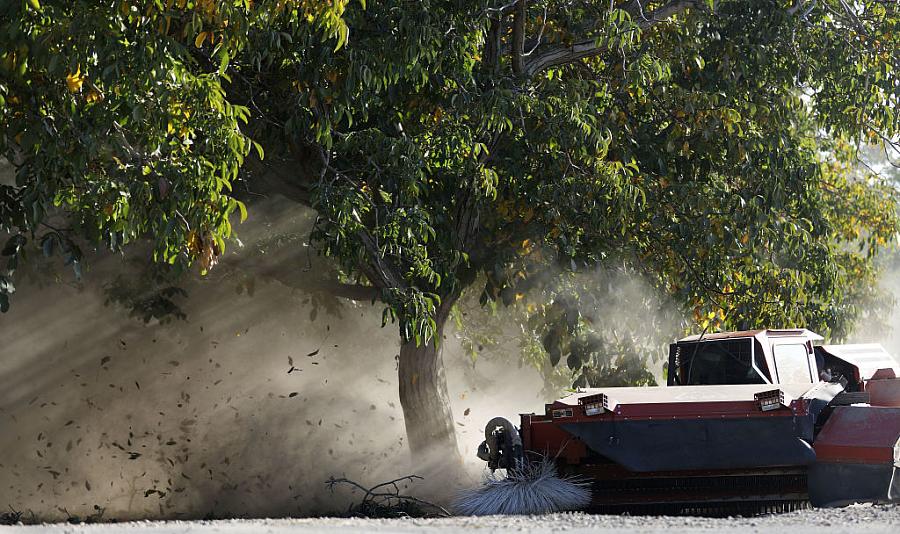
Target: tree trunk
{"points": [[426, 404]]}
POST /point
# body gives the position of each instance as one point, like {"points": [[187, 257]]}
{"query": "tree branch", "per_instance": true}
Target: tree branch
{"points": [[354, 291], [518, 38], [801, 4], [492, 43], [376, 267], [560, 55]]}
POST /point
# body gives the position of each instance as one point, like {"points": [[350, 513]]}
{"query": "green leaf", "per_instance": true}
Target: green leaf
{"points": [[243, 210], [224, 58], [259, 149]]}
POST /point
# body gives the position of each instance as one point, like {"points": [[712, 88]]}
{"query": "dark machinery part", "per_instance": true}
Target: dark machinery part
{"points": [[711, 493], [502, 445]]}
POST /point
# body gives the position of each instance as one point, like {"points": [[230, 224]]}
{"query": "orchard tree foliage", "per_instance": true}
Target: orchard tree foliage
{"points": [[116, 114], [708, 146], [712, 145]]}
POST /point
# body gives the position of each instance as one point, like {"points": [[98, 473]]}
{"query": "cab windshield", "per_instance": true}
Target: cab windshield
{"points": [[718, 362]]}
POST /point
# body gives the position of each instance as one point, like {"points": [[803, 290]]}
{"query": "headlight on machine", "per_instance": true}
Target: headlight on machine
{"points": [[594, 404], [594, 408], [772, 400]]}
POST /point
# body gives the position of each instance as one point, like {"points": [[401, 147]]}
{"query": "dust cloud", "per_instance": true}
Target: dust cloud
{"points": [[269, 387], [883, 326], [637, 321]]}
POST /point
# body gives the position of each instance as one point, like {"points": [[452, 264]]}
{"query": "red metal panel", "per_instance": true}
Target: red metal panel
{"points": [[689, 402], [545, 437], [688, 394], [683, 410], [884, 392], [859, 434], [883, 374]]}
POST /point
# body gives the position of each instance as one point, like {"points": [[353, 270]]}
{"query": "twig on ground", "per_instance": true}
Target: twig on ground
{"points": [[10, 518], [385, 499]]}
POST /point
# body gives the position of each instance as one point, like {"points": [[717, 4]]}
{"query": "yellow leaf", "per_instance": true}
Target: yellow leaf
{"points": [[198, 42], [528, 214], [75, 81]]}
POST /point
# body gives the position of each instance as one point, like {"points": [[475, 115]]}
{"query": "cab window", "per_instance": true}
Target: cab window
{"points": [[792, 363], [718, 362]]}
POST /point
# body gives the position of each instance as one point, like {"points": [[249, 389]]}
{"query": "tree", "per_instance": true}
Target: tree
{"points": [[709, 146]]}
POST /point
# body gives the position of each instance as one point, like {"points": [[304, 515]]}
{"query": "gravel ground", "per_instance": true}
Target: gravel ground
{"points": [[857, 518]]}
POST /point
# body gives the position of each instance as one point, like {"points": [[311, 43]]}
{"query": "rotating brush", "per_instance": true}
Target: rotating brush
{"points": [[530, 489]]}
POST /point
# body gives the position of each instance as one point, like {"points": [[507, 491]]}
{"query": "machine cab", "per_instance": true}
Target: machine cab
{"points": [[747, 357], [782, 356]]}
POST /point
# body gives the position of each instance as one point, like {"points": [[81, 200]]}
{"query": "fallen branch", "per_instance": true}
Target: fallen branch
{"points": [[385, 499], [10, 518]]}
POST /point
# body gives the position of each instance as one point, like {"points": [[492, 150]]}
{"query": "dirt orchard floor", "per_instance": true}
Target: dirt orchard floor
{"points": [[866, 518]]}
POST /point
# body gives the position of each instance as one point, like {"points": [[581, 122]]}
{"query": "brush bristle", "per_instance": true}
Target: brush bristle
{"points": [[532, 489]]}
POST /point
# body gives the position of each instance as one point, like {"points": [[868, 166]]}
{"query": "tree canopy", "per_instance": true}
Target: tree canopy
{"points": [[117, 115], [710, 147]]}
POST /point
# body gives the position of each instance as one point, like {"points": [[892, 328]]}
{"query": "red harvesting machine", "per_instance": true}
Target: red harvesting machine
{"points": [[749, 422]]}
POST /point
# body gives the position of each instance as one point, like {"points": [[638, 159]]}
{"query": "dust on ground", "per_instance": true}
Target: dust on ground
{"points": [[852, 519]]}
